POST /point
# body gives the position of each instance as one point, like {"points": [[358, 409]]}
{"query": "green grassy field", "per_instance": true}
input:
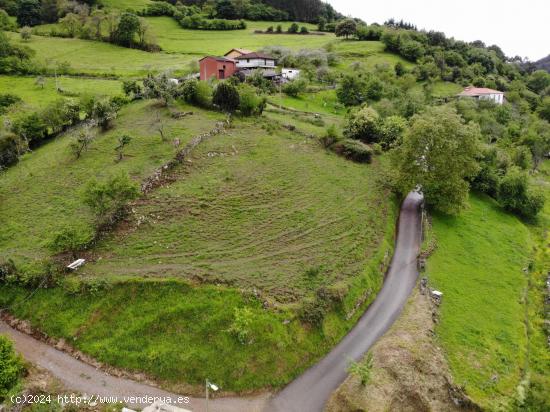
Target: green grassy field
{"points": [[173, 39], [478, 265], [324, 102], [36, 97], [368, 54], [42, 193], [86, 56], [255, 210], [126, 4]]}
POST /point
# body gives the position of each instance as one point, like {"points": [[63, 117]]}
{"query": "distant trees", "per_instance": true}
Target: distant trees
{"points": [[346, 28], [28, 13], [438, 154]]}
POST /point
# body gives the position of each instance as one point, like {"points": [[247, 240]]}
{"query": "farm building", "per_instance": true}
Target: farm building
{"points": [[234, 53], [483, 93], [218, 67], [255, 61]]}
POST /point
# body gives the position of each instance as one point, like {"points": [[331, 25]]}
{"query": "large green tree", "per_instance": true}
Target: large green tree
{"points": [[29, 13], [438, 154], [127, 29], [346, 28]]}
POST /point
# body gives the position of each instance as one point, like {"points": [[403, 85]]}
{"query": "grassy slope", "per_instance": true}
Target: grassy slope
{"points": [[478, 266], [35, 97], [324, 102], [179, 333], [42, 193], [367, 53], [256, 210], [86, 56], [173, 39]]}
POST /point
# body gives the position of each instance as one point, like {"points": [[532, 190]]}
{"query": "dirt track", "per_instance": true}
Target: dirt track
{"points": [[309, 392]]}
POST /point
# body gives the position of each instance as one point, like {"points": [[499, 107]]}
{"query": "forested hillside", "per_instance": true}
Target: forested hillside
{"points": [[543, 63]]}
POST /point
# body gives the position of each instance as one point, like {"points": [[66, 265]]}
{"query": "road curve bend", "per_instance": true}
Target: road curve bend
{"points": [[309, 392]]}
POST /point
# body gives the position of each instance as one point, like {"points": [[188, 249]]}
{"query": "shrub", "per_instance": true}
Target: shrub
{"points": [[30, 127], [330, 137], [363, 125], [515, 195], [293, 29], [354, 150], [313, 312], [226, 97], [131, 88], [250, 102], [70, 240], [279, 29], [350, 91], [369, 33], [7, 100], [304, 30], [26, 33], [9, 151], [391, 131], [295, 87], [362, 370], [241, 325], [109, 196], [104, 112], [11, 367]]}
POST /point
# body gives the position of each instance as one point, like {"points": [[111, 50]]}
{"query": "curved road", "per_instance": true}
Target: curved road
{"points": [[310, 391]]}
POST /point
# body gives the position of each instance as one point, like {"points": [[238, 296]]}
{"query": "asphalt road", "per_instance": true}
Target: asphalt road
{"points": [[311, 391], [308, 393]]}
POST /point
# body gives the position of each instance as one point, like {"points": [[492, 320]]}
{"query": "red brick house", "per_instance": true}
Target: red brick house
{"points": [[218, 67]]}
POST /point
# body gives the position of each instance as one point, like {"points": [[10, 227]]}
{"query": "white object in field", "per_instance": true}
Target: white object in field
{"points": [[174, 81], [164, 407], [290, 74], [76, 264], [127, 410], [437, 294]]}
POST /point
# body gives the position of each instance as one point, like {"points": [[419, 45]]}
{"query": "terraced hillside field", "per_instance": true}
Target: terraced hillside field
{"points": [[254, 210]]}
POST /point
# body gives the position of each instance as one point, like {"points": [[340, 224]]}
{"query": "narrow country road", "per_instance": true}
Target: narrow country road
{"points": [[309, 392]]}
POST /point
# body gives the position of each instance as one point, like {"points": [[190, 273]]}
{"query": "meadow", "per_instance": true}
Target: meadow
{"points": [[479, 266], [42, 193], [35, 96], [270, 211]]}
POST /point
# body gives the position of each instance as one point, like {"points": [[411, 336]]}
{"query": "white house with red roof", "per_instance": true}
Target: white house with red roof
{"points": [[483, 93]]}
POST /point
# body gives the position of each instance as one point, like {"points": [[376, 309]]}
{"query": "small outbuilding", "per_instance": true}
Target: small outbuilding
{"points": [[290, 74], [218, 67]]}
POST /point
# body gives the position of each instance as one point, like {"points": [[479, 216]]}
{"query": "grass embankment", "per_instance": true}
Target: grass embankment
{"points": [[42, 194], [36, 97], [478, 265], [323, 102], [274, 213], [368, 54]]}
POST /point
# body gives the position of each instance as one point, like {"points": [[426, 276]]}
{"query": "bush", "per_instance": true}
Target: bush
{"points": [[70, 240], [7, 100], [363, 125], [226, 97], [250, 102], [11, 367], [109, 196], [391, 131], [330, 137], [293, 29], [295, 87], [354, 150], [362, 370], [515, 195], [350, 91], [369, 33], [31, 128], [241, 325], [313, 312], [9, 153], [304, 30]]}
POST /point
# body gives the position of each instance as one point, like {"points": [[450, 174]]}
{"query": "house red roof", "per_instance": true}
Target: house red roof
{"points": [[220, 59], [255, 56], [478, 91]]}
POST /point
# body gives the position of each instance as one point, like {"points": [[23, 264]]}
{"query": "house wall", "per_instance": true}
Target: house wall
{"points": [[211, 68], [498, 98], [250, 63]]}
